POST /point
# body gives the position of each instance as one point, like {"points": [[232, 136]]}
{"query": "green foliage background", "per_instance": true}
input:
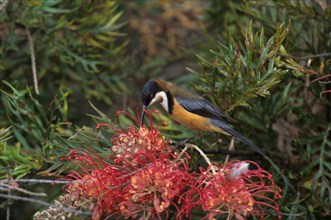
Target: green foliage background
{"points": [[259, 61]]}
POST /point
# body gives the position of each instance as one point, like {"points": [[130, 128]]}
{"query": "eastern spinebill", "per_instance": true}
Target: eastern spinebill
{"points": [[189, 109]]}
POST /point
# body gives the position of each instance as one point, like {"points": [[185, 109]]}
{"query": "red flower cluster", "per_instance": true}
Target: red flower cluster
{"points": [[137, 146], [147, 180], [232, 190], [100, 183], [153, 189]]}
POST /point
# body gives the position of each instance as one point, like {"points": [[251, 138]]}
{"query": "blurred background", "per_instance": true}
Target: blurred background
{"points": [[67, 65]]}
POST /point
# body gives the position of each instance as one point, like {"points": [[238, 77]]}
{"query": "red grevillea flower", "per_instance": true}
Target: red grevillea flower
{"points": [[153, 189], [137, 145], [233, 191], [100, 184]]}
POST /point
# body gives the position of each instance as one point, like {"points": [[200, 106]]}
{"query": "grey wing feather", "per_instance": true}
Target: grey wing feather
{"points": [[237, 135], [201, 106]]}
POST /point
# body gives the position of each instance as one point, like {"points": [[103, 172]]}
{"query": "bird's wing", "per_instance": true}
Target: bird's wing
{"points": [[201, 106], [204, 108], [224, 126]]}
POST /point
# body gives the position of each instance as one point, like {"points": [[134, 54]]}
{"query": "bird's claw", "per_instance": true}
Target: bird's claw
{"points": [[182, 143]]}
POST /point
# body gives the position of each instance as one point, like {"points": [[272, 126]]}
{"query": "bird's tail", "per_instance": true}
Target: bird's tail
{"points": [[237, 135]]}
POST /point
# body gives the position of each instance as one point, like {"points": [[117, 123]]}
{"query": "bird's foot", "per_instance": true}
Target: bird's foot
{"points": [[182, 143]]}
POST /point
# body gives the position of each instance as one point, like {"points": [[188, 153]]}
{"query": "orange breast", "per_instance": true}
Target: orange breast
{"points": [[191, 120]]}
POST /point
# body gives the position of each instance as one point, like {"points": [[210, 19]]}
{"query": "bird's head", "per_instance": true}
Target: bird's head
{"points": [[152, 93]]}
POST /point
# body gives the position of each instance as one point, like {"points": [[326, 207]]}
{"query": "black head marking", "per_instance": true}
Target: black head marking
{"points": [[148, 91]]}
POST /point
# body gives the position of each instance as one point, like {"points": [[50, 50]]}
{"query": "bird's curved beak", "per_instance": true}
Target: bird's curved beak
{"points": [[142, 115]]}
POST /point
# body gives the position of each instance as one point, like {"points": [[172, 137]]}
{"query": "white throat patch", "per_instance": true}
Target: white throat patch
{"points": [[162, 98]]}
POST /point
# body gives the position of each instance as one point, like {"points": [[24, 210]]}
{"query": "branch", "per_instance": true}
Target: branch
{"points": [[37, 181], [322, 77], [43, 203], [204, 157], [232, 153], [231, 148], [306, 57], [5, 187], [33, 60]]}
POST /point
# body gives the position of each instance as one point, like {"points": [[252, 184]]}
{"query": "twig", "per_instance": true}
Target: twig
{"points": [[306, 57], [231, 148], [8, 207], [6, 187], [8, 212], [232, 153], [37, 181], [324, 92], [204, 157], [33, 60], [43, 203], [319, 78], [181, 153]]}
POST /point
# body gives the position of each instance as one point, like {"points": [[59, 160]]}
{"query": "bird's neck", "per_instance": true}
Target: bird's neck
{"points": [[167, 101]]}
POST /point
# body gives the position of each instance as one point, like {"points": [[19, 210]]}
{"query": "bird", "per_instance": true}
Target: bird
{"points": [[189, 109]]}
